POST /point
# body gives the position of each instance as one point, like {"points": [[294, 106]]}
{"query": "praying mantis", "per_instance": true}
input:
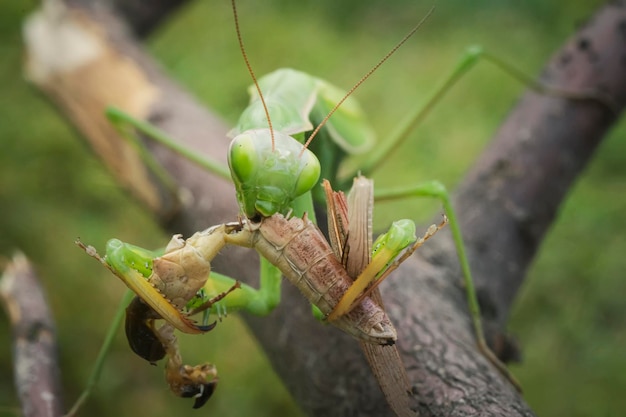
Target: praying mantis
{"points": [[350, 310], [425, 190]]}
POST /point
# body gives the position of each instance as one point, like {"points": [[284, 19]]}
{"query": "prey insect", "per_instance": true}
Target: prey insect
{"points": [[164, 286]]}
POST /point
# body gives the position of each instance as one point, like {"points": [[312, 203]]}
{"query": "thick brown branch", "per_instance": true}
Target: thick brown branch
{"points": [[511, 196], [36, 371], [506, 204]]}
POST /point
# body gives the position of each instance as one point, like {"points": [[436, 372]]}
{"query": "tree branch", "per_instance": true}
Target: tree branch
{"points": [[143, 17], [517, 185], [506, 204], [37, 376]]}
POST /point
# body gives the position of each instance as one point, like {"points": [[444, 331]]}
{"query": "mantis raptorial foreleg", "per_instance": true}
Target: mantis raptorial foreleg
{"points": [[166, 284]]}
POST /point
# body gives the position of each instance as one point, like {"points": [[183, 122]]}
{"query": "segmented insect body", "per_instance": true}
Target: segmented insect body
{"points": [[185, 266], [298, 248], [169, 282], [165, 286]]}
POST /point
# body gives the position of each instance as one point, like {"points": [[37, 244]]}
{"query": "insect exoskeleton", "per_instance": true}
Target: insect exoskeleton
{"points": [[301, 252]]}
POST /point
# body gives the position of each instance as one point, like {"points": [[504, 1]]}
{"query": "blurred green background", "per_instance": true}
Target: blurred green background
{"points": [[569, 318]]}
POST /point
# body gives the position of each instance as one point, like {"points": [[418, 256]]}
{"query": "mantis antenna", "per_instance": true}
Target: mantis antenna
{"points": [[366, 76], [256, 84]]}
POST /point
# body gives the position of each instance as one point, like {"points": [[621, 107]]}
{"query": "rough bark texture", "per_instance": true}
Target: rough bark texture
{"points": [[520, 180], [36, 371], [506, 203]]}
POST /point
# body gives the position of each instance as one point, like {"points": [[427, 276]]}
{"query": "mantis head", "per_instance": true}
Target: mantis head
{"points": [[268, 178]]}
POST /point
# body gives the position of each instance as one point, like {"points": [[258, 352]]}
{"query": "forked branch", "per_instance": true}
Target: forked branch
{"points": [[506, 203]]}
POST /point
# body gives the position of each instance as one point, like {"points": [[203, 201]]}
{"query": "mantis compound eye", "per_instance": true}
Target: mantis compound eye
{"points": [[268, 177]]}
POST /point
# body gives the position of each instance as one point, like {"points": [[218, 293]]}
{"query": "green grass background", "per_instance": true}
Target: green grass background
{"points": [[569, 317]]}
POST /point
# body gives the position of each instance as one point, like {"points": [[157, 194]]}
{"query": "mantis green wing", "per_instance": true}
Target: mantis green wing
{"points": [[297, 102], [289, 95]]}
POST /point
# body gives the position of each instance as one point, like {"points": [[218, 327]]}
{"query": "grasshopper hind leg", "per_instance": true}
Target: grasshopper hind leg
{"points": [[435, 189]]}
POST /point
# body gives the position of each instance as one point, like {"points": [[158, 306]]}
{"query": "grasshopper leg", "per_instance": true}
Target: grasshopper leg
{"points": [[435, 189]]}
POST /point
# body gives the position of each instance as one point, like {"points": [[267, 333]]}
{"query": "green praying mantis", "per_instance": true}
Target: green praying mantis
{"points": [[214, 292]]}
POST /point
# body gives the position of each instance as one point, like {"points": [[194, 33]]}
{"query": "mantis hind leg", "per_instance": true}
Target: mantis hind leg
{"points": [[94, 377], [129, 128], [125, 124], [435, 189], [468, 60]]}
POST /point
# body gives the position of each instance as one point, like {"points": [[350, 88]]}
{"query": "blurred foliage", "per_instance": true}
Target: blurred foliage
{"points": [[570, 317]]}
